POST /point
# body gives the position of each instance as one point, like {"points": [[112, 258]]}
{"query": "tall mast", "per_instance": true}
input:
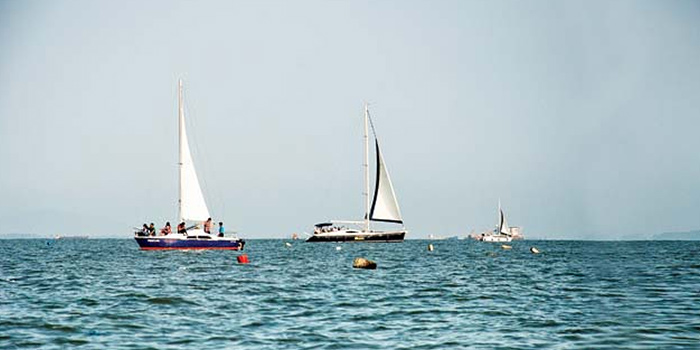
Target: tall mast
{"points": [[366, 165], [181, 126], [500, 217]]}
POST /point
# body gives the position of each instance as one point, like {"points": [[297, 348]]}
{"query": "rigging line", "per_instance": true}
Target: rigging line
{"points": [[371, 124]]}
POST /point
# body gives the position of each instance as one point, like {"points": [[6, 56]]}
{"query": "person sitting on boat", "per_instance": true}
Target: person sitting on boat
{"points": [[166, 230], [144, 230], [221, 229], [181, 228], [152, 229], [207, 226]]}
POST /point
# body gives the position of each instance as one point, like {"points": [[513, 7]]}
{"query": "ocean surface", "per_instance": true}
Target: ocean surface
{"points": [[107, 294]]}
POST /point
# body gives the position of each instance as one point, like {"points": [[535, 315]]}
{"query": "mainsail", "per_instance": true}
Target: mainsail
{"points": [[503, 224], [384, 205], [192, 204]]}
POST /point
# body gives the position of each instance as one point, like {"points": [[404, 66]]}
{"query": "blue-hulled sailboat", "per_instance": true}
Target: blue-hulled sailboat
{"points": [[192, 209]]}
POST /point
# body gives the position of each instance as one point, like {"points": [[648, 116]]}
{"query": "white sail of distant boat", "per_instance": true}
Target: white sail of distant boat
{"points": [[192, 205], [503, 224], [385, 207]]}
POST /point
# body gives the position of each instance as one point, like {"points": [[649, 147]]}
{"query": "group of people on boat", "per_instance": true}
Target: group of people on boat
{"points": [[328, 229], [150, 230]]}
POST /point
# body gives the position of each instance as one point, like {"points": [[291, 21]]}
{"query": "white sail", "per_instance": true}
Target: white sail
{"points": [[192, 204], [384, 205], [503, 224]]}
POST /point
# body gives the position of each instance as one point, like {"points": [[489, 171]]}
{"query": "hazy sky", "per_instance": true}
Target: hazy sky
{"points": [[582, 117]]}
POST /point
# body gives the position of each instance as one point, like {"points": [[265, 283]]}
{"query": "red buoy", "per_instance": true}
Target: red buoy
{"points": [[242, 259]]}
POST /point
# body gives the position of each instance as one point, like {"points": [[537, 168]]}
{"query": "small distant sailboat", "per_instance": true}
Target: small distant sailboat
{"points": [[383, 208], [502, 232], [192, 207]]}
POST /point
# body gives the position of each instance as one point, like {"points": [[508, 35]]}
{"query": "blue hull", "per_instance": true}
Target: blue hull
{"points": [[159, 243]]}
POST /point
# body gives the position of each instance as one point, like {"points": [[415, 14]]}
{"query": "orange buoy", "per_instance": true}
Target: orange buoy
{"points": [[242, 259]]}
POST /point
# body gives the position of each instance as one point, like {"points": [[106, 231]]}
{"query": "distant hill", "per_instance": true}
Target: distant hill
{"points": [[677, 236]]}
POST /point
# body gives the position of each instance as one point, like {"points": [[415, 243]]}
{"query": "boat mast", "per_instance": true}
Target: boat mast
{"points": [[500, 218], [181, 122], [366, 165]]}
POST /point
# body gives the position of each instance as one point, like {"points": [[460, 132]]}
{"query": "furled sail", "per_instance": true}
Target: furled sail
{"points": [[192, 204], [384, 205], [503, 225]]}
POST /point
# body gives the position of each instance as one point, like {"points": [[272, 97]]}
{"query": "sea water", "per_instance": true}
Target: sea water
{"points": [[107, 294]]}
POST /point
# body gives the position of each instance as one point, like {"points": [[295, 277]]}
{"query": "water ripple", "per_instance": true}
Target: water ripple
{"points": [[575, 295]]}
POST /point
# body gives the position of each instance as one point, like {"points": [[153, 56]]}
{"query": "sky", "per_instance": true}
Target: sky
{"points": [[582, 117]]}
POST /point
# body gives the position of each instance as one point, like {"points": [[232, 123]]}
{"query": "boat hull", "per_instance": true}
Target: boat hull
{"points": [[371, 237], [162, 243], [496, 239]]}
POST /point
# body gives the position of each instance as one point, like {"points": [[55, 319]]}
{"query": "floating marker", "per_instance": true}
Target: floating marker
{"points": [[289, 245], [242, 259], [505, 246], [430, 247], [362, 263], [337, 248], [534, 250]]}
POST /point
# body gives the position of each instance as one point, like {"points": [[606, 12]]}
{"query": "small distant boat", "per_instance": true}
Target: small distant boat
{"points": [[71, 237], [502, 232], [192, 208], [384, 206]]}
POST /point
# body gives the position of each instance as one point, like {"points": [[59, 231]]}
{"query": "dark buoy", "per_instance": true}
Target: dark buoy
{"points": [[242, 259], [430, 247], [534, 250], [362, 263]]}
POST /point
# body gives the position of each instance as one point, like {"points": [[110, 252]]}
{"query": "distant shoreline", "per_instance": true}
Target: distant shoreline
{"points": [[665, 236]]}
